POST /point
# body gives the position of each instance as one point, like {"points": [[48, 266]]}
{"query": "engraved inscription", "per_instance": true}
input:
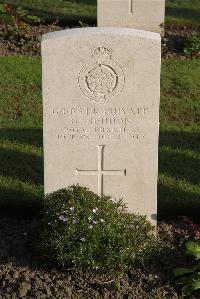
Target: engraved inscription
{"points": [[102, 78], [137, 136], [100, 124], [109, 111], [100, 172]]}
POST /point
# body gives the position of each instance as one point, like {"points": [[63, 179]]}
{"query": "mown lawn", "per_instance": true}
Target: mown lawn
{"points": [[21, 167], [182, 12], [179, 150], [71, 12]]}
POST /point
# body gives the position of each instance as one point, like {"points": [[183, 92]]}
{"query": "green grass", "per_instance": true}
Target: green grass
{"points": [[180, 92], [179, 164], [183, 12], [21, 167], [179, 148], [68, 12]]}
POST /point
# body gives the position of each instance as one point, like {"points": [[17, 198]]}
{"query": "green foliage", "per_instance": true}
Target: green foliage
{"points": [[18, 14], [193, 249], [192, 45], [69, 13], [2, 8], [24, 14], [189, 278], [79, 229]]}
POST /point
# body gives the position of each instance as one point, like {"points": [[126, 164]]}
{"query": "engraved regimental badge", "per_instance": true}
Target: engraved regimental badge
{"points": [[102, 78]]}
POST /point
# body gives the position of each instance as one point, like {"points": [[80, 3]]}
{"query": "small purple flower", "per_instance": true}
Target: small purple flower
{"points": [[95, 210], [63, 216], [74, 221], [91, 221]]}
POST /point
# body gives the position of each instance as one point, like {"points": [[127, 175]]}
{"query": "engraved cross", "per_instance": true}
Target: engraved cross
{"points": [[130, 6], [100, 172]]}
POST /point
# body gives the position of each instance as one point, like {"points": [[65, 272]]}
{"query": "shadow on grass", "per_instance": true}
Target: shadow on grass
{"points": [[21, 192], [172, 200], [26, 136], [188, 14], [180, 165], [23, 166], [19, 203], [180, 140], [63, 19]]}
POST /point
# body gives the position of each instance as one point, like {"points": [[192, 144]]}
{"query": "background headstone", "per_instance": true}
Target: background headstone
{"points": [[139, 14], [101, 113]]}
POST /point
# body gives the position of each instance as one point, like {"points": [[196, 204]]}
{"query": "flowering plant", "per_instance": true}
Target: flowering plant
{"points": [[82, 230], [194, 228], [189, 278]]}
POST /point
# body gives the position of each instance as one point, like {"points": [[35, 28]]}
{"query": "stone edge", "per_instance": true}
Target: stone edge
{"points": [[102, 30]]}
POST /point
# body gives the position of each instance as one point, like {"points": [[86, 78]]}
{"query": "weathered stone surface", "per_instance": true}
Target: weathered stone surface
{"points": [[139, 14], [101, 113]]}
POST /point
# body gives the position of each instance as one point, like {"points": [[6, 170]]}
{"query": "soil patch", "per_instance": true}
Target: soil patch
{"points": [[26, 40], [23, 40], [173, 42], [23, 276]]}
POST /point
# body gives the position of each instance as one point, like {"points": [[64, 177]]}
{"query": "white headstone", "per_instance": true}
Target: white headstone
{"points": [[101, 113], [139, 14]]}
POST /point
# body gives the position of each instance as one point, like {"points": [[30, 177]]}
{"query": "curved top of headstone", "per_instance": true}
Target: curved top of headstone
{"points": [[102, 30]]}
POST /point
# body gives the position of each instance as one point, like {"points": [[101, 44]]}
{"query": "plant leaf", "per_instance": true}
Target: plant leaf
{"points": [[2, 8], [196, 284], [190, 288], [184, 280], [193, 249], [187, 290], [197, 267], [33, 18], [182, 271]]}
